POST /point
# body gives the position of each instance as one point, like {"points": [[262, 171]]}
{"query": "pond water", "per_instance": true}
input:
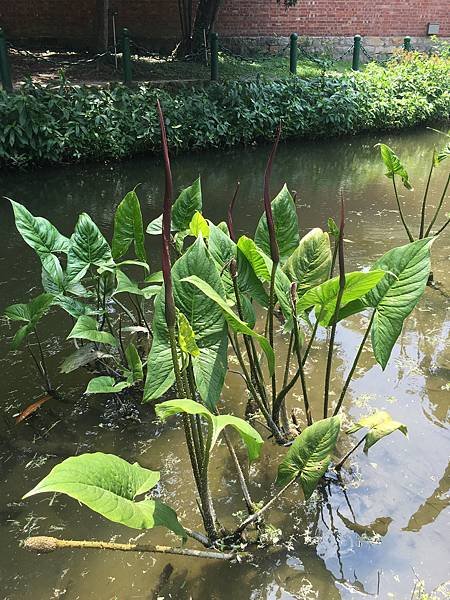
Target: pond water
{"points": [[387, 527]]}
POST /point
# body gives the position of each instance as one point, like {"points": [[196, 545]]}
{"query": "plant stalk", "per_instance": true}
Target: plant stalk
{"points": [[252, 518], [438, 208], [354, 365], [424, 201], [44, 366], [336, 312], [338, 467], [400, 211]]}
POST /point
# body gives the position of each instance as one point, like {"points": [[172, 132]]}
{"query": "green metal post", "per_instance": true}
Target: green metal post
{"points": [[356, 52], [5, 72], [293, 54], [407, 44], [126, 54], [214, 41]]}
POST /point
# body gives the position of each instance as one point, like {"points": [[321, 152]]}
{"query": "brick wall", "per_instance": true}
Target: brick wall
{"points": [[156, 21]]}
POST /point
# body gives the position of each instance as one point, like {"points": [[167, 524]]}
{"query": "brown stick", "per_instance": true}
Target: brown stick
{"points": [[44, 544]]}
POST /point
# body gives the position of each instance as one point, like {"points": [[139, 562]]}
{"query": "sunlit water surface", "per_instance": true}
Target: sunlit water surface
{"points": [[387, 527]]}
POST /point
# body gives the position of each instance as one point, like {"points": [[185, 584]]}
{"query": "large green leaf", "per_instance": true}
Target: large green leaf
{"points": [[286, 226], [407, 269], [128, 228], [262, 266], [324, 296], [74, 307], [40, 234], [310, 263], [109, 485], [106, 385], [380, 424], [394, 165], [185, 206], [310, 455], [55, 281], [233, 320], [249, 435], [207, 321], [30, 314], [86, 329], [88, 248]]}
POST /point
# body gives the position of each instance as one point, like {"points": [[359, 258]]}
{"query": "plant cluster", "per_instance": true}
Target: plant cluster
{"points": [[69, 124], [204, 305]]}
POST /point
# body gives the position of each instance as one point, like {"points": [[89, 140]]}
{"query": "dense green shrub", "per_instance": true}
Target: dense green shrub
{"points": [[66, 124]]}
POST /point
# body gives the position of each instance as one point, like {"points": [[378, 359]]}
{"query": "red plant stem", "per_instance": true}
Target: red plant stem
{"points": [[274, 251], [336, 311], [166, 224], [230, 213]]}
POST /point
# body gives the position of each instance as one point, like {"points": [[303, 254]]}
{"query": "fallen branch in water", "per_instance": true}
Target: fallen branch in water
{"points": [[45, 544]]}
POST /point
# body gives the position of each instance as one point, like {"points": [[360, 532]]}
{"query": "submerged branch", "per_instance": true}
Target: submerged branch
{"points": [[44, 544]]}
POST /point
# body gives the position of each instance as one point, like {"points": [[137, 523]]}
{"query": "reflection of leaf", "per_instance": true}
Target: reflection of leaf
{"points": [[378, 527], [433, 506]]}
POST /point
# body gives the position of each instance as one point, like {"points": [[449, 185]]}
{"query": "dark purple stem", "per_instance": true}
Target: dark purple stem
{"points": [[166, 224], [230, 213], [275, 254]]}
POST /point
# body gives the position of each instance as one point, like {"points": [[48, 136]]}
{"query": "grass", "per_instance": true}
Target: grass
{"points": [[47, 67]]}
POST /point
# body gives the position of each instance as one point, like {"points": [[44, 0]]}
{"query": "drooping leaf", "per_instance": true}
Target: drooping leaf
{"points": [[324, 296], [286, 226], [199, 225], [333, 229], [127, 285], [88, 248], [233, 320], [248, 434], [128, 228], [309, 264], [394, 165], [262, 266], [30, 314], [407, 269], [74, 307], [81, 357], [106, 385], [134, 363], [86, 329], [109, 485], [310, 455], [185, 206], [380, 424], [40, 234], [207, 321], [186, 336]]}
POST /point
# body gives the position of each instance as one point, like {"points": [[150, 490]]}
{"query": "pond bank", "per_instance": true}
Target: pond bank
{"points": [[68, 124]]}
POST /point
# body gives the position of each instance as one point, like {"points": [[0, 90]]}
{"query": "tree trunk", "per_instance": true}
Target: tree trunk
{"points": [[101, 25], [204, 22]]}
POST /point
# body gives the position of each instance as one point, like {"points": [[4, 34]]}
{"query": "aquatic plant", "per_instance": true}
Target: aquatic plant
{"points": [[202, 306], [395, 168]]}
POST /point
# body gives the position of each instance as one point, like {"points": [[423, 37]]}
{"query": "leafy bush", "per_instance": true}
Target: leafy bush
{"points": [[67, 124]]}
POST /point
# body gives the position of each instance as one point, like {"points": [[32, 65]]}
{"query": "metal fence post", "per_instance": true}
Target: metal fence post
{"points": [[214, 41], [407, 44], [126, 55], [293, 53], [356, 52], [5, 71]]}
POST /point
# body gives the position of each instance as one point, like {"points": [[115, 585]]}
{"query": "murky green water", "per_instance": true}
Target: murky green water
{"points": [[388, 526]]}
